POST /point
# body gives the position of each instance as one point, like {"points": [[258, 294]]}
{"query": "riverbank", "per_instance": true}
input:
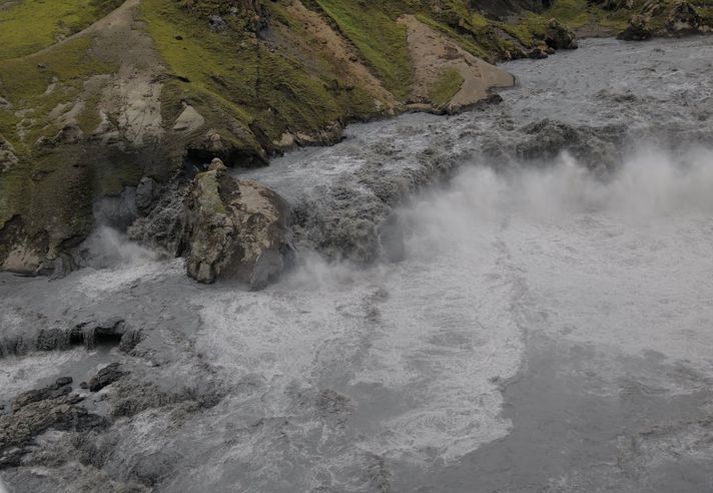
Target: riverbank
{"points": [[148, 90]]}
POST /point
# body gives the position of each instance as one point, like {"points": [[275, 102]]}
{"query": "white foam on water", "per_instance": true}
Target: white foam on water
{"points": [[626, 262], [116, 263], [18, 374]]}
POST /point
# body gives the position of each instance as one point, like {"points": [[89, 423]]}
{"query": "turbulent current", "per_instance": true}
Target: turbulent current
{"points": [[517, 298]]}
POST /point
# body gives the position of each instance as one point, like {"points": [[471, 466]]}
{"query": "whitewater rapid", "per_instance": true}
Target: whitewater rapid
{"points": [[545, 324]]}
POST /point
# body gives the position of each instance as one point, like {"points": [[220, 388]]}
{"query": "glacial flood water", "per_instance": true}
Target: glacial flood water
{"points": [[518, 298]]}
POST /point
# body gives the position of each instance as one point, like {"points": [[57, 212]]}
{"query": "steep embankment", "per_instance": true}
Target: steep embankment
{"points": [[99, 94]]}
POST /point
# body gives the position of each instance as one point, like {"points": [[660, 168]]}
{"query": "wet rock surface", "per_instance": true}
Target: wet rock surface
{"points": [[560, 37], [106, 376], [36, 411], [112, 332], [234, 229], [638, 29]]}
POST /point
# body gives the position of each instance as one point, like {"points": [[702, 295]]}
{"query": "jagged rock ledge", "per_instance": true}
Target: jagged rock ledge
{"points": [[114, 331]]}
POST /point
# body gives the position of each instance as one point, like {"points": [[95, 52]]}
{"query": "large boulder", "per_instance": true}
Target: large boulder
{"points": [[637, 30], [234, 229], [683, 19], [559, 37]]}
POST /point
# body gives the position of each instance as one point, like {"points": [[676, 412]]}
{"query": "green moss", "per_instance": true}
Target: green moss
{"points": [[378, 38], [30, 25], [209, 192], [13, 190], [572, 13], [47, 186], [36, 84], [89, 119], [230, 76], [468, 43], [446, 86]]}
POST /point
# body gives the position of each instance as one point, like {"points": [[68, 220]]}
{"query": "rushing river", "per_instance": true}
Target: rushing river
{"points": [[518, 298]]}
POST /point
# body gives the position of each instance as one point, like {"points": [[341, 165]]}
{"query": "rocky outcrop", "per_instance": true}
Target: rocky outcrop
{"points": [[8, 159], [447, 78], [684, 19], [111, 332], [559, 37], [35, 411], [656, 19], [234, 229], [106, 376], [598, 148], [637, 30]]}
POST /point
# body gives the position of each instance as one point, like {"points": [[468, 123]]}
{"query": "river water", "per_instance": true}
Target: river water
{"points": [[518, 298]]}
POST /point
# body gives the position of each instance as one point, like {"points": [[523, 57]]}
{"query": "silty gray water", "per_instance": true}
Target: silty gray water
{"points": [[534, 315]]}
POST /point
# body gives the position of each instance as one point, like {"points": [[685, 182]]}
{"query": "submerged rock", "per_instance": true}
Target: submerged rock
{"points": [[38, 410], [111, 332], [106, 376], [234, 229]]}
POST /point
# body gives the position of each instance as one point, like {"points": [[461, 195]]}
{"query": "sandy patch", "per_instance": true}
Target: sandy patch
{"points": [[432, 54]]}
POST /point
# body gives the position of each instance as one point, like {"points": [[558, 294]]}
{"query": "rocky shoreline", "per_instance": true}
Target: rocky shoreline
{"points": [[141, 117]]}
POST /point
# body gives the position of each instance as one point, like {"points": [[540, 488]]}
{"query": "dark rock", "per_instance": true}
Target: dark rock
{"points": [[130, 340], [37, 411], [637, 30], [683, 19], [559, 37], [106, 376], [146, 193], [537, 53], [161, 227], [113, 331], [51, 392], [62, 381], [84, 385], [595, 147], [612, 4], [235, 229]]}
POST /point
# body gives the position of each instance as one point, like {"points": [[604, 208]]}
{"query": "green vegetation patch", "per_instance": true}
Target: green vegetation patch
{"points": [[36, 84], [48, 185], [378, 38], [446, 86], [231, 76], [30, 25]]}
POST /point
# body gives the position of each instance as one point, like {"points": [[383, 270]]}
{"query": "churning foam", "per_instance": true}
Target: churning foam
{"points": [[489, 258], [118, 262]]}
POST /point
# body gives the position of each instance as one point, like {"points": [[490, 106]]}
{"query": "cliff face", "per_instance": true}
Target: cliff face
{"points": [[96, 94]]}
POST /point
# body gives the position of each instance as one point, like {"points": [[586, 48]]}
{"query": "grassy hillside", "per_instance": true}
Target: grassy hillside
{"points": [[87, 109]]}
